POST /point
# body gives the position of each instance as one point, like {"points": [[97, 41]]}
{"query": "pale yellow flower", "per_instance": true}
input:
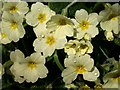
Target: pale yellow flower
{"points": [[85, 23], [110, 19], [20, 7], [11, 25], [76, 65], [49, 43], [112, 79], [28, 69], [61, 25], [38, 17]]}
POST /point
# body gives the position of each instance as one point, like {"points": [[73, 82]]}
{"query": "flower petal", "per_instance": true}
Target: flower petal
{"points": [[91, 76], [16, 56], [69, 75], [93, 18], [81, 15]]}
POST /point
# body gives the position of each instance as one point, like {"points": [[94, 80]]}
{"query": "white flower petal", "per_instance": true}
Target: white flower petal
{"points": [[19, 79], [91, 76], [64, 31], [116, 7], [31, 75], [38, 58], [71, 61], [69, 75], [80, 33], [49, 51], [61, 43], [37, 6], [30, 20], [86, 61], [103, 15], [61, 25], [42, 71], [22, 7], [93, 18], [16, 56], [92, 31], [107, 25], [81, 15], [40, 30], [39, 45]]}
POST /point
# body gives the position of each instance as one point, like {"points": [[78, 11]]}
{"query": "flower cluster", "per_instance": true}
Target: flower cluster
{"points": [[12, 19], [57, 32]]}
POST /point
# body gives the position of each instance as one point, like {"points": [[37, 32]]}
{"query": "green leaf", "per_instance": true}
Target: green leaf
{"points": [[78, 6], [117, 41], [57, 6]]}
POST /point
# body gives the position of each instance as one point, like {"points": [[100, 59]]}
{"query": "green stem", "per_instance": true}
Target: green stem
{"points": [[49, 58], [104, 53], [64, 11], [57, 61], [7, 64]]}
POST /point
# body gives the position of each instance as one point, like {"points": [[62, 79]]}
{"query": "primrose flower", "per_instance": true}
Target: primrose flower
{"points": [[30, 68], [49, 43], [11, 25], [20, 7], [85, 24], [4, 39], [62, 25], [112, 79], [110, 19], [76, 65], [78, 47], [38, 16]]}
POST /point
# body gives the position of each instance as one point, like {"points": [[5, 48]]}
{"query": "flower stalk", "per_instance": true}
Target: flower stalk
{"points": [[57, 61], [65, 10]]}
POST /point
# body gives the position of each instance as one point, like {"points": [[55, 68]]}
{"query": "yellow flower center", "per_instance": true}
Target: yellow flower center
{"points": [[112, 17], [84, 25], [4, 35], [62, 22], [14, 25], [81, 69], [32, 65], [50, 40], [41, 18], [13, 9]]}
